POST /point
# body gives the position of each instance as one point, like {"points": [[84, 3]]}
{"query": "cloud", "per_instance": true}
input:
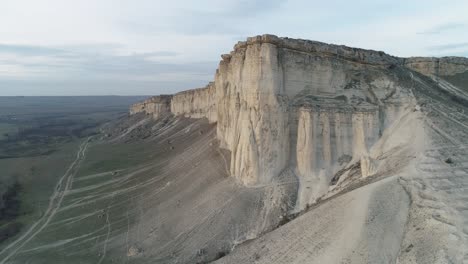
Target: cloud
{"points": [[177, 43], [30, 50], [451, 46], [442, 28], [157, 54], [93, 87], [450, 49], [39, 63], [228, 19], [141, 65]]}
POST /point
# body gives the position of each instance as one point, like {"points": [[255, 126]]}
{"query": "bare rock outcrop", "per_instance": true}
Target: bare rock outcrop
{"points": [[445, 66], [155, 106], [196, 103], [305, 106], [252, 113]]}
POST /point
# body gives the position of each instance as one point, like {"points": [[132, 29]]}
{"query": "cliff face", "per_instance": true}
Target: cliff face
{"points": [[197, 103], [305, 106], [252, 112], [445, 66], [155, 106]]}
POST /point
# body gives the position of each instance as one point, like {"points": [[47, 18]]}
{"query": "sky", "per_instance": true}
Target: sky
{"points": [[148, 47]]}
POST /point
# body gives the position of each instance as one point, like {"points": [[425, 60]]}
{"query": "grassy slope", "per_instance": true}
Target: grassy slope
{"points": [[6, 128], [37, 177], [167, 196], [52, 125], [460, 80]]}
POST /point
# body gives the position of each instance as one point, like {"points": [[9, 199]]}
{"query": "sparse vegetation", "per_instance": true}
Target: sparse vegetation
{"points": [[38, 141], [9, 210]]}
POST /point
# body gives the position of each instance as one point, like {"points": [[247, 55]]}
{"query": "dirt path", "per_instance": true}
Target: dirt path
{"points": [[55, 201]]}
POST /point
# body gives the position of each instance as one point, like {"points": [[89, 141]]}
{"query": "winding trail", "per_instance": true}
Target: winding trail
{"points": [[61, 189]]}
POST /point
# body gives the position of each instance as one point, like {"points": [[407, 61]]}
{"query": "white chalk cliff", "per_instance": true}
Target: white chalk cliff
{"points": [[308, 107]]}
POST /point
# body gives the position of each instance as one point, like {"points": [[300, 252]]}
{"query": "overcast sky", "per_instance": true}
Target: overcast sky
{"points": [[126, 47]]}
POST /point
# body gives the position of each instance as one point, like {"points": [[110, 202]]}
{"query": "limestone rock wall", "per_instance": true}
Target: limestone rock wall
{"points": [[155, 106], [252, 114], [196, 103], [327, 140], [445, 66], [276, 100], [304, 106]]}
